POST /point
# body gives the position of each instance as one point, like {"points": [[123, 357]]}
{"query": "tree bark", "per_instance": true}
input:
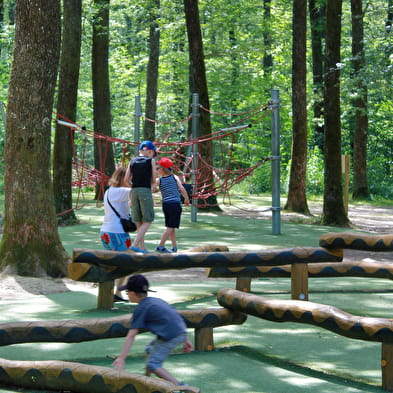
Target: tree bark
{"points": [[152, 73], [103, 150], [67, 107], [333, 204], [317, 24], [297, 200], [198, 84], [31, 244], [267, 38], [360, 180]]}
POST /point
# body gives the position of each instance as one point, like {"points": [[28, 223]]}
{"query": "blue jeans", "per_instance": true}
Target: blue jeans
{"points": [[158, 350]]}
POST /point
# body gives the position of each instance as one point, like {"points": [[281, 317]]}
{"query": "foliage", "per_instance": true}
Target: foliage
{"points": [[234, 49]]}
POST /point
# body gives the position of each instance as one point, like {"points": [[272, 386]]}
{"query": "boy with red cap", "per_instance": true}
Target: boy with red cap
{"points": [[171, 188]]}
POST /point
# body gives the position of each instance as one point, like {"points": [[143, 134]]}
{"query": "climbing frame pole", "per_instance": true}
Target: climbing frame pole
{"points": [[275, 158]]}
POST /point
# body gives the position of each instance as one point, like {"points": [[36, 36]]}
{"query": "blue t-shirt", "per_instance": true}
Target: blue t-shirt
{"points": [[158, 317]]}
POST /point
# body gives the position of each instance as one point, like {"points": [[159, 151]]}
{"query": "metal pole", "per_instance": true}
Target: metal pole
{"points": [[137, 115], [195, 134], [275, 107]]}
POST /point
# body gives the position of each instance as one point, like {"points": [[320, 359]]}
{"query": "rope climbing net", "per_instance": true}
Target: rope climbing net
{"points": [[206, 177]]}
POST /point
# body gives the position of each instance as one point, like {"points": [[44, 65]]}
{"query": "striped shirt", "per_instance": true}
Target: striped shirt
{"points": [[169, 189]]}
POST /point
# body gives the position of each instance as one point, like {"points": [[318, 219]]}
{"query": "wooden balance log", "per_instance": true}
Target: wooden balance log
{"points": [[74, 331], [82, 378], [357, 241], [321, 315], [372, 269], [330, 241], [104, 266]]}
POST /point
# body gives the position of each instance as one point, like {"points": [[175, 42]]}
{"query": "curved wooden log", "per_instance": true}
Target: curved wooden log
{"points": [[350, 269], [71, 331], [321, 315], [357, 241], [82, 378], [129, 263]]}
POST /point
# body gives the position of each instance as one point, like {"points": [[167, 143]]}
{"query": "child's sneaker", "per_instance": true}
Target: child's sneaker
{"points": [[187, 388], [174, 249], [162, 249]]}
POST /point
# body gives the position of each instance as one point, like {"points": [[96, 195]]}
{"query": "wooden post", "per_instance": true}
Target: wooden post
{"points": [[204, 339], [299, 281], [387, 366], [243, 284], [105, 295]]}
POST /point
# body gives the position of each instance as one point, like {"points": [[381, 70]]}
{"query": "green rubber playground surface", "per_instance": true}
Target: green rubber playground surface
{"points": [[257, 357]]}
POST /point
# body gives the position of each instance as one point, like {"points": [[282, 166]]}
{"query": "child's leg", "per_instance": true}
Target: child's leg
{"points": [[164, 374], [166, 235]]}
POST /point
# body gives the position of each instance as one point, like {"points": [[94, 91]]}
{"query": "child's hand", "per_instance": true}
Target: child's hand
{"points": [[119, 364], [187, 346]]}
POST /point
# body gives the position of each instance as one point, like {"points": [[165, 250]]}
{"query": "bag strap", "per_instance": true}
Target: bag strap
{"points": [[107, 198]]}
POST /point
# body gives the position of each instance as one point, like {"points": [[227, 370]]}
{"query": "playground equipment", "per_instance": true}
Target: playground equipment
{"points": [[105, 266], [83, 378], [321, 315], [333, 241]]}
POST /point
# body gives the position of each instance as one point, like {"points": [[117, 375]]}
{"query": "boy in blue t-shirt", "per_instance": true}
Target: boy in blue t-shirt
{"points": [[157, 316]]}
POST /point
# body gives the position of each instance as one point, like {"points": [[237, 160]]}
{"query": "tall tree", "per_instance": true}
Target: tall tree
{"points": [[333, 204], [297, 200], [198, 84], [267, 38], [317, 10], [152, 71], [360, 181], [66, 106], [103, 150], [30, 244]]}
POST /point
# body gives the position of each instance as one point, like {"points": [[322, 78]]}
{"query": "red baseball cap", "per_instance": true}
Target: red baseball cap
{"points": [[166, 163]]}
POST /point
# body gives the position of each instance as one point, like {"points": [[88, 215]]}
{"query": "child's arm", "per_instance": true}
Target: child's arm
{"points": [[187, 346], [182, 191], [128, 176], [153, 173], [119, 363]]}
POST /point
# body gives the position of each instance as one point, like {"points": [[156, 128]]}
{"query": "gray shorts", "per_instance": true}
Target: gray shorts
{"points": [[142, 207], [158, 350]]}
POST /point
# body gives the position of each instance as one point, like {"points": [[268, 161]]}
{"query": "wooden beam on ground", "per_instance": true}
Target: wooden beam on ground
{"points": [[124, 263], [357, 241]]}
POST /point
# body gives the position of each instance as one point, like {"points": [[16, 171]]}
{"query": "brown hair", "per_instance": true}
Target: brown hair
{"points": [[117, 178]]}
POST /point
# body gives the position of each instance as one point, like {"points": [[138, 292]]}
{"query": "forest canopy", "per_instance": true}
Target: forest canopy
{"points": [[238, 39]]}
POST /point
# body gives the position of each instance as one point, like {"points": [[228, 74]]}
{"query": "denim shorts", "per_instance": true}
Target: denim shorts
{"points": [[115, 241], [158, 350]]}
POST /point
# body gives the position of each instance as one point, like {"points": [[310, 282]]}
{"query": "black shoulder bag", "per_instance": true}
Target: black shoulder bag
{"points": [[127, 223]]}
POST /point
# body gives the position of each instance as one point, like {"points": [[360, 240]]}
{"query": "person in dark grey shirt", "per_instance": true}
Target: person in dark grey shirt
{"points": [[160, 318]]}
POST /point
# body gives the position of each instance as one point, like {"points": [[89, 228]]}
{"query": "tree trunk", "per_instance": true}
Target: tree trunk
{"points": [[31, 245], [333, 203], [198, 84], [360, 181], [267, 38], [297, 200], [103, 150], [317, 23], [67, 106], [152, 74]]}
